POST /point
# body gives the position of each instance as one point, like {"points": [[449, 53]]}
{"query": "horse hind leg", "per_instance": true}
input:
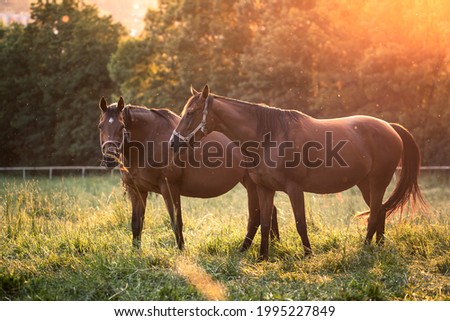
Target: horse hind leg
{"points": [[377, 214], [364, 187], [381, 226]]}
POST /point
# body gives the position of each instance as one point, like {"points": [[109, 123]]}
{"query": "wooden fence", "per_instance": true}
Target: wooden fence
{"points": [[84, 169], [51, 169]]}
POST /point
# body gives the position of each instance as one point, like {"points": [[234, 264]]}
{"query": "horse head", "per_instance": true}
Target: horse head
{"points": [[111, 126], [192, 126]]}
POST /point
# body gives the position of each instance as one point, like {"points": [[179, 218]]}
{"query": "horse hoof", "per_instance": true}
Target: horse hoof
{"points": [[275, 239], [263, 258], [307, 250], [380, 241], [244, 248], [136, 244]]}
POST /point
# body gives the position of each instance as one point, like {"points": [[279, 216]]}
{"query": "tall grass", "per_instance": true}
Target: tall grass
{"points": [[70, 239]]}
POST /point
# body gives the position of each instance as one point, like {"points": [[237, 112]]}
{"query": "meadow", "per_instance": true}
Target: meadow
{"points": [[69, 238]]}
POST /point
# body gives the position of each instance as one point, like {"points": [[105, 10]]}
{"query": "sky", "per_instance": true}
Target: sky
{"points": [[130, 13]]}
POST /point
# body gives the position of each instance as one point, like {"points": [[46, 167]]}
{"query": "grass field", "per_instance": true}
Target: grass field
{"points": [[70, 239]]}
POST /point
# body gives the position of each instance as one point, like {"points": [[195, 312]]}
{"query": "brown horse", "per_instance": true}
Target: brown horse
{"points": [[295, 153], [138, 138]]}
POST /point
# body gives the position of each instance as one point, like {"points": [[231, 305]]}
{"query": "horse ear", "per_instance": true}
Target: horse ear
{"points": [[103, 105], [120, 104], [193, 91], [205, 92]]}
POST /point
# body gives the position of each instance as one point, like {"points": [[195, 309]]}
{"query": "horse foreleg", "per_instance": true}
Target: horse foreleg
{"points": [[254, 219], [265, 197], [253, 215], [172, 200], [138, 204], [297, 199], [274, 231]]}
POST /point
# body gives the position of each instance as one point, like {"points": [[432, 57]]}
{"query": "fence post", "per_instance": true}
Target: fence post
{"points": [[50, 173], [82, 171], [23, 173]]}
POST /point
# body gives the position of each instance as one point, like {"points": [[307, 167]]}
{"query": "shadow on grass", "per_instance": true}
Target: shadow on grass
{"points": [[334, 272]]}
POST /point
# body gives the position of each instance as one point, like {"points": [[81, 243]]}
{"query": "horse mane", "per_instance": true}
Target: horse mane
{"points": [[131, 113], [268, 118]]}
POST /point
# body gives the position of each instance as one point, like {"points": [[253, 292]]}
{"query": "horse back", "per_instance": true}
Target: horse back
{"points": [[343, 151]]}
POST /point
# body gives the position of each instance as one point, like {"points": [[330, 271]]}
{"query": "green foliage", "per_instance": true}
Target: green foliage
{"points": [[56, 69], [12, 57], [328, 58], [184, 43], [388, 59], [70, 239]]}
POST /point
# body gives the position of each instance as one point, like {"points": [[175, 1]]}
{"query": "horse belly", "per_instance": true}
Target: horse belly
{"points": [[206, 183], [331, 180], [351, 167], [217, 170]]}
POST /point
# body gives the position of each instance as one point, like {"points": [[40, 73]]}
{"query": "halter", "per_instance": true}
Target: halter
{"points": [[116, 143], [201, 126]]}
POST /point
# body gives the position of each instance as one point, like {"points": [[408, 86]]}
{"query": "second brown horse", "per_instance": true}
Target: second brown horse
{"points": [[138, 137]]}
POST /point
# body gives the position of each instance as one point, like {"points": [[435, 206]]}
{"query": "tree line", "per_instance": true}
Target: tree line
{"points": [[328, 58]]}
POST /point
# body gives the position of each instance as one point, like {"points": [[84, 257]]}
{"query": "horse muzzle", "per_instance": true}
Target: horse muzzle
{"points": [[109, 162], [111, 155]]}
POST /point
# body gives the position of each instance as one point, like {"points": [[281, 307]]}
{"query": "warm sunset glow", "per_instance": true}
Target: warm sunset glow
{"points": [[416, 23], [129, 13], [413, 23]]}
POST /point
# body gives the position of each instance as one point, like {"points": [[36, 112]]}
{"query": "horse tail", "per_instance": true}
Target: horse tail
{"points": [[407, 186]]}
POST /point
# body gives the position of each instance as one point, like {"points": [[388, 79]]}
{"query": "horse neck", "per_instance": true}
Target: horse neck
{"points": [[235, 119], [152, 128], [149, 123]]}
